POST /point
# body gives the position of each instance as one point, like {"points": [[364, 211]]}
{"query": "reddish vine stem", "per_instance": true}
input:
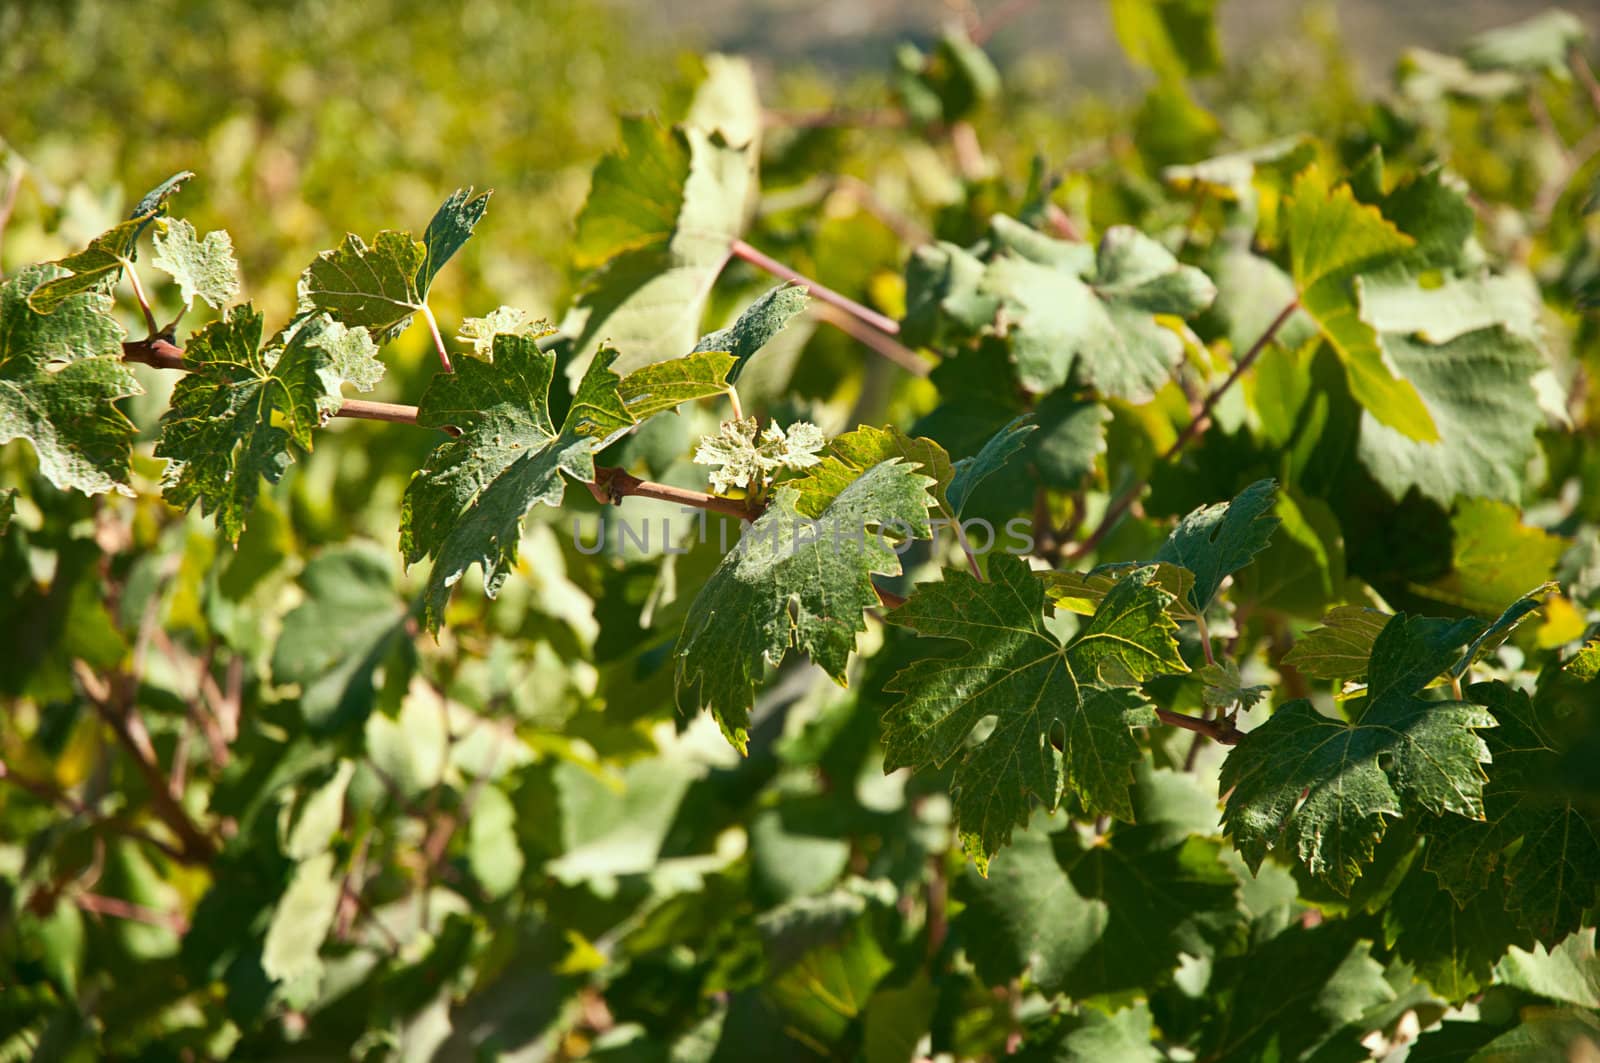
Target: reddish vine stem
{"points": [[117, 908], [1123, 502], [820, 292], [616, 484], [1221, 730], [111, 704], [1585, 72], [888, 347]]}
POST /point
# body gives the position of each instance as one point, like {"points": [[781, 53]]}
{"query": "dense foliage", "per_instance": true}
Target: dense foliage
{"points": [[916, 578]]}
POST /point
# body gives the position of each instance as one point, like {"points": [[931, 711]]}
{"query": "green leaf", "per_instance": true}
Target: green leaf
{"points": [[466, 504], [1173, 38], [1535, 840], [1538, 45], [204, 269], [60, 377], [1082, 592], [1508, 621], [1322, 789], [154, 201], [1544, 1034], [823, 962], [1224, 689], [8, 507], [100, 264], [374, 288], [334, 641], [1016, 671], [755, 328], [1332, 238], [1477, 390], [1454, 947], [1494, 557], [1091, 1035], [750, 465], [94, 268], [319, 816], [968, 473], [450, 228], [665, 386], [1216, 541], [493, 853], [236, 412], [1085, 919], [350, 352], [795, 582], [1305, 988], [1340, 648], [662, 214], [1098, 326], [1569, 973], [511, 320], [380, 288], [850, 455], [946, 86], [1071, 437], [301, 921]]}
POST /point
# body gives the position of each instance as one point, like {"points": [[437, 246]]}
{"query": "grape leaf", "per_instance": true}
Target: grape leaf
{"points": [[1494, 557], [1340, 648], [850, 455], [1215, 541], [333, 642], [301, 920], [1098, 327], [204, 269], [1477, 390], [350, 351], [374, 288], [943, 300], [1453, 946], [238, 409], [795, 582], [102, 262], [1091, 1035], [1305, 988], [1568, 972], [968, 473], [1332, 238], [381, 287], [467, 502], [1321, 788], [1538, 45], [60, 377], [1082, 592], [1018, 672], [1224, 688], [946, 86], [1084, 919], [448, 230], [1072, 435], [94, 268], [662, 214], [1504, 625], [514, 321], [1173, 39], [663, 386], [754, 329], [1535, 839]]}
